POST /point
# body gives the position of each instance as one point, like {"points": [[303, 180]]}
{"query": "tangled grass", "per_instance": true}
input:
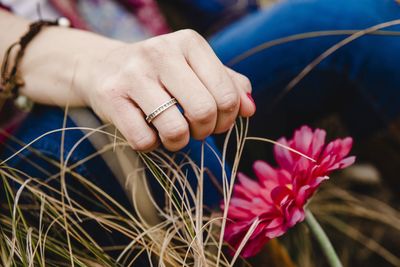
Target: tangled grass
{"points": [[44, 225]]}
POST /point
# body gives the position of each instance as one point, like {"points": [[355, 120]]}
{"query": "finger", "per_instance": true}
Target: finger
{"points": [[198, 104], [170, 124], [242, 83], [213, 75], [129, 121]]}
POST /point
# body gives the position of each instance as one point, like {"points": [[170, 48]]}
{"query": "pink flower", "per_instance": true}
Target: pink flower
{"points": [[275, 202], [312, 143]]}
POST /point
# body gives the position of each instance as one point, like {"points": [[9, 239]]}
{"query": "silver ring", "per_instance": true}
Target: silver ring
{"points": [[161, 109]]}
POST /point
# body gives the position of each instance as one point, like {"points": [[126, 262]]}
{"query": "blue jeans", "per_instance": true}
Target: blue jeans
{"points": [[359, 81]]}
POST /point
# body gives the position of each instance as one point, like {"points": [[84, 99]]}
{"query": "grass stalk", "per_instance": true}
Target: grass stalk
{"points": [[323, 240]]}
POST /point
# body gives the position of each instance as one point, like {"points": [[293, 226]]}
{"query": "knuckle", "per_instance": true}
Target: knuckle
{"points": [[112, 94], [175, 132], [113, 91], [190, 34], [191, 38], [228, 102], [155, 48], [143, 142], [175, 146], [203, 133], [204, 113], [223, 127], [109, 91], [244, 82]]}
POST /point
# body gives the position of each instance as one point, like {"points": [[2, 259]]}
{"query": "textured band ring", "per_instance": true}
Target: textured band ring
{"points": [[161, 109]]}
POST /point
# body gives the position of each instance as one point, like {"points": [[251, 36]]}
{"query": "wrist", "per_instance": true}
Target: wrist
{"points": [[57, 66]]}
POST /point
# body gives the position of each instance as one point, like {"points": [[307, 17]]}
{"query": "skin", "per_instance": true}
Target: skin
{"points": [[122, 82]]}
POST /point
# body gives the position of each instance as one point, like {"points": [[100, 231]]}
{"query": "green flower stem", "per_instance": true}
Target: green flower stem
{"points": [[323, 240]]}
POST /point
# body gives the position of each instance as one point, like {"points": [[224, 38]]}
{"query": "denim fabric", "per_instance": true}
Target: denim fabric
{"points": [[359, 81], [209, 16], [218, 6], [44, 119]]}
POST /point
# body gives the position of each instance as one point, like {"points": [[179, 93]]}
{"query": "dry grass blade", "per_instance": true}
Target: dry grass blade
{"points": [[363, 240]]}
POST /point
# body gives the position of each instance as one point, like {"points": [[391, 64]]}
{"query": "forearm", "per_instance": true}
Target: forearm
{"points": [[56, 64]]}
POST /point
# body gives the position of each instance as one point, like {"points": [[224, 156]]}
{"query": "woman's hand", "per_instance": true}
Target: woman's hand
{"points": [[125, 82], [130, 81]]}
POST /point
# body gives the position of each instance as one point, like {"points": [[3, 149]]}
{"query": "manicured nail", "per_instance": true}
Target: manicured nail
{"points": [[251, 99]]}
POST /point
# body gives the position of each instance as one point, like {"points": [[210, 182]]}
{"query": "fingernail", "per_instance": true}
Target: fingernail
{"points": [[251, 99]]}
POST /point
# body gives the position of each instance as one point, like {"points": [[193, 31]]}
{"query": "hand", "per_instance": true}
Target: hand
{"points": [[132, 80]]}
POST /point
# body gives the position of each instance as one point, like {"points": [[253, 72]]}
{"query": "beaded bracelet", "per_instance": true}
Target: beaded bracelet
{"points": [[11, 81]]}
